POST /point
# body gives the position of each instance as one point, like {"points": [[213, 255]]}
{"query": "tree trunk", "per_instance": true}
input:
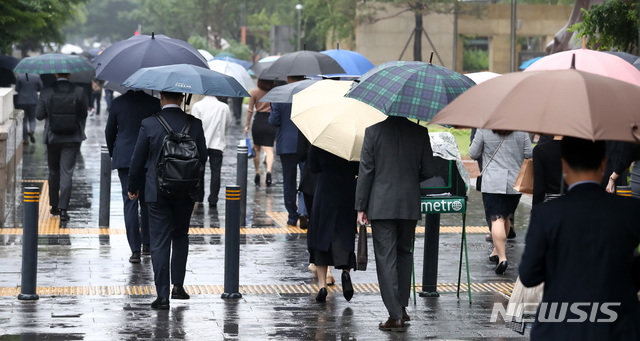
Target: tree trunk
{"points": [[417, 37]]}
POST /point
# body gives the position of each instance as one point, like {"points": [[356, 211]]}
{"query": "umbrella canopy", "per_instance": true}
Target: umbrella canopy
{"points": [[258, 67], [122, 59], [71, 49], [185, 78], [302, 63], [284, 93], [7, 64], [53, 63], [414, 90], [244, 63], [628, 57], [206, 54], [321, 92], [234, 70], [479, 77], [597, 62], [564, 102], [528, 63], [352, 62]]}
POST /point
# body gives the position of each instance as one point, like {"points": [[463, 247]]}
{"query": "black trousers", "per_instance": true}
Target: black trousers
{"points": [[169, 235], [215, 163], [61, 159], [392, 243], [96, 96], [137, 226], [28, 121]]}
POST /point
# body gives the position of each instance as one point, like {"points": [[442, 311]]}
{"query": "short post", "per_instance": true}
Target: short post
{"points": [[430, 266], [241, 180], [105, 187], [232, 243], [30, 244]]}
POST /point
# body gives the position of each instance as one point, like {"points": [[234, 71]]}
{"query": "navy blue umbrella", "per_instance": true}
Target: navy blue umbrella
{"points": [[122, 59], [186, 78]]}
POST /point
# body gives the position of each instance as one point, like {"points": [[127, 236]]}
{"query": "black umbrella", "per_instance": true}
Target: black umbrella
{"points": [[630, 58], [120, 60], [302, 63], [7, 63]]}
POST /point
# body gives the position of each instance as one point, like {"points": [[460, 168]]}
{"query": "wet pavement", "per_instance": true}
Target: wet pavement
{"points": [[89, 291]]}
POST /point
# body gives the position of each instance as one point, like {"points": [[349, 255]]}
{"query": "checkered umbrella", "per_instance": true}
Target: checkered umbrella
{"points": [[53, 63], [415, 90]]}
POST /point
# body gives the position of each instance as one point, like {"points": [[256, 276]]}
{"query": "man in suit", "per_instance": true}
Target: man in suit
{"points": [[396, 156], [286, 148], [581, 246], [547, 169], [169, 216], [125, 116], [27, 87], [62, 147]]}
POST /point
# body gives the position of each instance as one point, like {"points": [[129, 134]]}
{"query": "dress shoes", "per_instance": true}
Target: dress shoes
{"points": [[502, 267], [178, 293], [31, 137], [392, 325], [160, 303], [304, 222], [146, 249], [64, 216], [329, 279], [322, 295], [512, 233], [405, 316], [135, 258], [494, 259], [256, 180], [54, 211], [268, 180], [347, 286]]}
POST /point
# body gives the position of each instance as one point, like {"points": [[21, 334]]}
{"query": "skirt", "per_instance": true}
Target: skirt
{"points": [[336, 256], [264, 134], [502, 205]]}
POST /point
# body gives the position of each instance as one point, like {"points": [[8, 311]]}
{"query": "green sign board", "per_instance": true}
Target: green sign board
{"points": [[443, 205]]}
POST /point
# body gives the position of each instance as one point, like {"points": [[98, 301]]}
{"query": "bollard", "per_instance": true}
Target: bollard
{"points": [[30, 244], [105, 188], [430, 266], [241, 180], [232, 243]]}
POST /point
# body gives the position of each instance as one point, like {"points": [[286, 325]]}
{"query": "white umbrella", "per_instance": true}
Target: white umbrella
{"points": [[479, 77], [208, 56], [234, 70], [321, 92], [70, 48]]}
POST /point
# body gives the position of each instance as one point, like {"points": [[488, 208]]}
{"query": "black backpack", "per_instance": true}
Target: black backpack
{"points": [[179, 169], [63, 108]]}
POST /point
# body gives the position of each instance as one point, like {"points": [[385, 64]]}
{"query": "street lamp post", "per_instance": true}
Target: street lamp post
{"points": [[208, 34], [299, 9]]}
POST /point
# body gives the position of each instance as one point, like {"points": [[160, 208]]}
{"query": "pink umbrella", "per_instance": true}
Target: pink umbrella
{"points": [[592, 61]]}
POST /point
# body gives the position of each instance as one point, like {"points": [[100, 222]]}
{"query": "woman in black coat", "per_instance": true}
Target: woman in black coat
{"points": [[331, 236]]}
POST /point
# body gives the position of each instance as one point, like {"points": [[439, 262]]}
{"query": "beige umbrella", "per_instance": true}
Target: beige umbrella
{"points": [[566, 102], [324, 91]]}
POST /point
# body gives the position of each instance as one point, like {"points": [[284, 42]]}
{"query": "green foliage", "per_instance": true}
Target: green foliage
{"points": [[199, 42], [610, 25], [259, 28], [108, 20], [335, 18], [475, 60]]}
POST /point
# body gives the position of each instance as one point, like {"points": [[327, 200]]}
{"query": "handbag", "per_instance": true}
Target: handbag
{"points": [[524, 181], [247, 142], [361, 257], [522, 305]]}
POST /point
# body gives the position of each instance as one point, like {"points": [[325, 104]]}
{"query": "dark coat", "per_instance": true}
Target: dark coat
{"points": [[287, 135], [42, 113], [149, 144], [27, 86], [581, 245], [547, 170], [125, 116], [333, 200], [396, 156]]}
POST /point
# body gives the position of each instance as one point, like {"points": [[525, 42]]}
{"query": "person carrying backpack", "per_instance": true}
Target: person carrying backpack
{"points": [[168, 162], [64, 108]]}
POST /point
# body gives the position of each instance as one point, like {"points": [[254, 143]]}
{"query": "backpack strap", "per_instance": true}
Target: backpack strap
{"points": [[164, 123], [187, 125]]}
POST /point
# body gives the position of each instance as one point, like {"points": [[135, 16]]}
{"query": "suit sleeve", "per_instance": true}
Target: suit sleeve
{"points": [[532, 264], [274, 117], [538, 176], [366, 172], [426, 167], [475, 150], [138, 160], [82, 103], [41, 107], [111, 131]]}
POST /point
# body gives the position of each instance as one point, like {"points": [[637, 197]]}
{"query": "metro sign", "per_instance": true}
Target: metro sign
{"points": [[434, 205]]}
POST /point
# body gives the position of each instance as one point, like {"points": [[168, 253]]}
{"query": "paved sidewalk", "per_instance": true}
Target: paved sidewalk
{"points": [[90, 291]]}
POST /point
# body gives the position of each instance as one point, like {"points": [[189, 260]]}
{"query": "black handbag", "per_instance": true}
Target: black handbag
{"points": [[479, 183], [361, 256]]}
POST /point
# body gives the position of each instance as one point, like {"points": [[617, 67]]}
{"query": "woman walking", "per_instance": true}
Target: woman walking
{"points": [[331, 236], [264, 134], [502, 154]]}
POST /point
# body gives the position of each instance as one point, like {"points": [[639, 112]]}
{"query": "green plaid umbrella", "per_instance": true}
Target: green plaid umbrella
{"points": [[53, 63], [410, 89]]}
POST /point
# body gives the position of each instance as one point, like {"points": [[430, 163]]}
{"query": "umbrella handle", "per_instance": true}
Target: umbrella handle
{"points": [[634, 132]]}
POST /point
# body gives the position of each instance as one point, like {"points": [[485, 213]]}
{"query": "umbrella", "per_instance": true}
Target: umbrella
{"points": [[414, 90], [71, 49], [205, 54], [284, 93], [122, 59], [628, 57], [302, 63], [7, 64], [234, 70], [244, 63], [528, 63], [185, 78], [597, 62], [53, 63], [352, 62], [479, 77], [226, 54], [321, 92], [562, 102], [258, 67]]}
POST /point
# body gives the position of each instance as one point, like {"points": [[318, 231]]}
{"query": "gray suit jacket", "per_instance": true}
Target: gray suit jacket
{"points": [[501, 173], [27, 87], [42, 113], [396, 156]]}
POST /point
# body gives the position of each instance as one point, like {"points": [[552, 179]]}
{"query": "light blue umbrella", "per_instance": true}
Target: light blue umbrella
{"points": [[353, 63], [528, 63], [186, 78]]}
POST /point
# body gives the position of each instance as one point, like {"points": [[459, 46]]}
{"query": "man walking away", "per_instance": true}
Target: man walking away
{"points": [[27, 86], [216, 119], [125, 116], [396, 155], [64, 109], [168, 161]]}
